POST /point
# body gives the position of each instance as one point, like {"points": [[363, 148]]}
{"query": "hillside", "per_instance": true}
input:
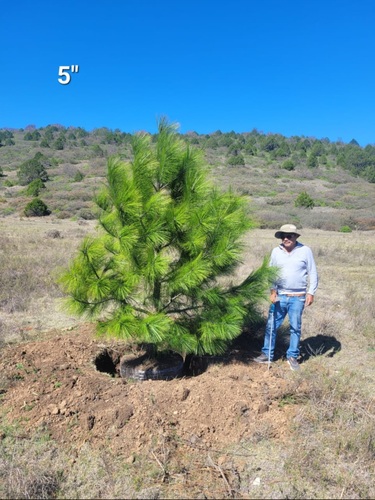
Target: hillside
{"points": [[272, 170]]}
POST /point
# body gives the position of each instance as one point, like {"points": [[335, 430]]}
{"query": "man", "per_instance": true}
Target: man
{"points": [[294, 289]]}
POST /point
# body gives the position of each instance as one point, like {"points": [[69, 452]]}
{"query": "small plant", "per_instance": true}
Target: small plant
{"points": [[288, 165], [304, 200], [236, 160], [33, 189], [8, 183], [312, 161], [36, 208], [78, 176], [345, 229]]}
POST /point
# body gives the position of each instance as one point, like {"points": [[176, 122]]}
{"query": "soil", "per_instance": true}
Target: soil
{"points": [[54, 384]]}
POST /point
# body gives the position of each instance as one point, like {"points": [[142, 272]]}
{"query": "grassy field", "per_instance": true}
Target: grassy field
{"points": [[331, 449]]}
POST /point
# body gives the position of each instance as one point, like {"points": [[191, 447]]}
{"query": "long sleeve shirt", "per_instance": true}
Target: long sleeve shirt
{"points": [[297, 270]]}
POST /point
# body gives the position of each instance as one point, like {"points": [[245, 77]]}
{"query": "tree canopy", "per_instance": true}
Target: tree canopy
{"points": [[155, 271]]}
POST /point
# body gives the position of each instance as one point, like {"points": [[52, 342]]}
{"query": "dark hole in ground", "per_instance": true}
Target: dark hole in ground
{"points": [[112, 362], [107, 361]]}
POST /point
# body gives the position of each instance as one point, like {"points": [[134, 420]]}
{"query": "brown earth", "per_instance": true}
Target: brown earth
{"points": [[54, 384]]}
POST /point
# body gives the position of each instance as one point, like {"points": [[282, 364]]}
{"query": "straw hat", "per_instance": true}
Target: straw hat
{"points": [[287, 228]]}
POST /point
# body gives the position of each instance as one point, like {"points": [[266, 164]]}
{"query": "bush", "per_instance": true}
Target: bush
{"points": [[36, 208], [33, 169], [236, 160], [8, 183], [345, 229], [34, 187], [288, 165], [312, 161], [304, 200], [78, 176]]}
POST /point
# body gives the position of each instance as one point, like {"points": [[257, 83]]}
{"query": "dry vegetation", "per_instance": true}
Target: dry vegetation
{"points": [[341, 199], [322, 447]]}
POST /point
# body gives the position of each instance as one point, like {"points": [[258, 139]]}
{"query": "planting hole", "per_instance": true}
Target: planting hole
{"points": [[107, 361]]}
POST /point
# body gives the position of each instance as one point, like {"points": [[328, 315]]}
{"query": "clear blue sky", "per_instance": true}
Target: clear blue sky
{"points": [[295, 67]]}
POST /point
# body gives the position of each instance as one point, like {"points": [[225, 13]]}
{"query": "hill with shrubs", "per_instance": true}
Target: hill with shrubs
{"points": [[311, 182]]}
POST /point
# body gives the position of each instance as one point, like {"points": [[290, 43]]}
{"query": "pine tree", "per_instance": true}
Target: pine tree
{"points": [[167, 237]]}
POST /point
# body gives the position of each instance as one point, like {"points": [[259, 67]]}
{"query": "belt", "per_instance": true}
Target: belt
{"points": [[293, 294]]}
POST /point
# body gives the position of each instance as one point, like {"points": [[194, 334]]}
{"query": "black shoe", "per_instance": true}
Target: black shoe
{"points": [[262, 359]]}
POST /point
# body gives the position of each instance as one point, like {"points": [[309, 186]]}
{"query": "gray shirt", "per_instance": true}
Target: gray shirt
{"points": [[297, 269]]}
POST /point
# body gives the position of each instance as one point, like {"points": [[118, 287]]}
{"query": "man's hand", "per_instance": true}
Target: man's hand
{"points": [[309, 299]]}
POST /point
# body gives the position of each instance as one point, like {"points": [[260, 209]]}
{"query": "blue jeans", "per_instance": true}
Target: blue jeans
{"points": [[293, 307]]}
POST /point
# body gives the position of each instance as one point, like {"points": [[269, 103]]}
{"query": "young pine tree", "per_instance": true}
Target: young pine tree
{"points": [[153, 274]]}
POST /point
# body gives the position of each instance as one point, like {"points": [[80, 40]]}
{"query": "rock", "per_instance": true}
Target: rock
{"points": [[122, 415], [90, 422], [185, 394]]}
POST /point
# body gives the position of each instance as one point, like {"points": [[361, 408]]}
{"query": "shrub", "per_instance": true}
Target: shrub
{"points": [[345, 229], [36, 208], [168, 236], [304, 200], [33, 169], [78, 176], [312, 161], [34, 187], [8, 183], [288, 165], [236, 160]]}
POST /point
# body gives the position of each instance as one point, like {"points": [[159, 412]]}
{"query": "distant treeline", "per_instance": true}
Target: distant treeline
{"points": [[238, 147]]}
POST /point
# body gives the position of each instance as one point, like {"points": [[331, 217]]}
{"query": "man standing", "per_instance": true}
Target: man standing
{"points": [[294, 289]]}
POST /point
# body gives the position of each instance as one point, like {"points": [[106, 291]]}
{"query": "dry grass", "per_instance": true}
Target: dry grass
{"points": [[331, 453], [31, 253]]}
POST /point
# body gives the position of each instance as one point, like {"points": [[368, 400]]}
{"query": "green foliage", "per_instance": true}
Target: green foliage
{"points": [[78, 176], [8, 183], [318, 148], [98, 151], [33, 189], [6, 138], [36, 208], [235, 148], [250, 148], [33, 169], [236, 160], [270, 143], [369, 173], [288, 165], [304, 200], [32, 136], [282, 151], [345, 229], [167, 238], [323, 160], [312, 160], [59, 143]]}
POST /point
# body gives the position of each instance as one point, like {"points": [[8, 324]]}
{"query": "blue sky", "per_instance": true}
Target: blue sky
{"points": [[294, 67]]}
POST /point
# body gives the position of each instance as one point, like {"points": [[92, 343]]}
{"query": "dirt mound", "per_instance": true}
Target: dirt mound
{"points": [[54, 384]]}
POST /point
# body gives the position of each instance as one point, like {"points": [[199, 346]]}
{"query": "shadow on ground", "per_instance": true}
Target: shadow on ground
{"points": [[319, 345], [249, 344]]}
